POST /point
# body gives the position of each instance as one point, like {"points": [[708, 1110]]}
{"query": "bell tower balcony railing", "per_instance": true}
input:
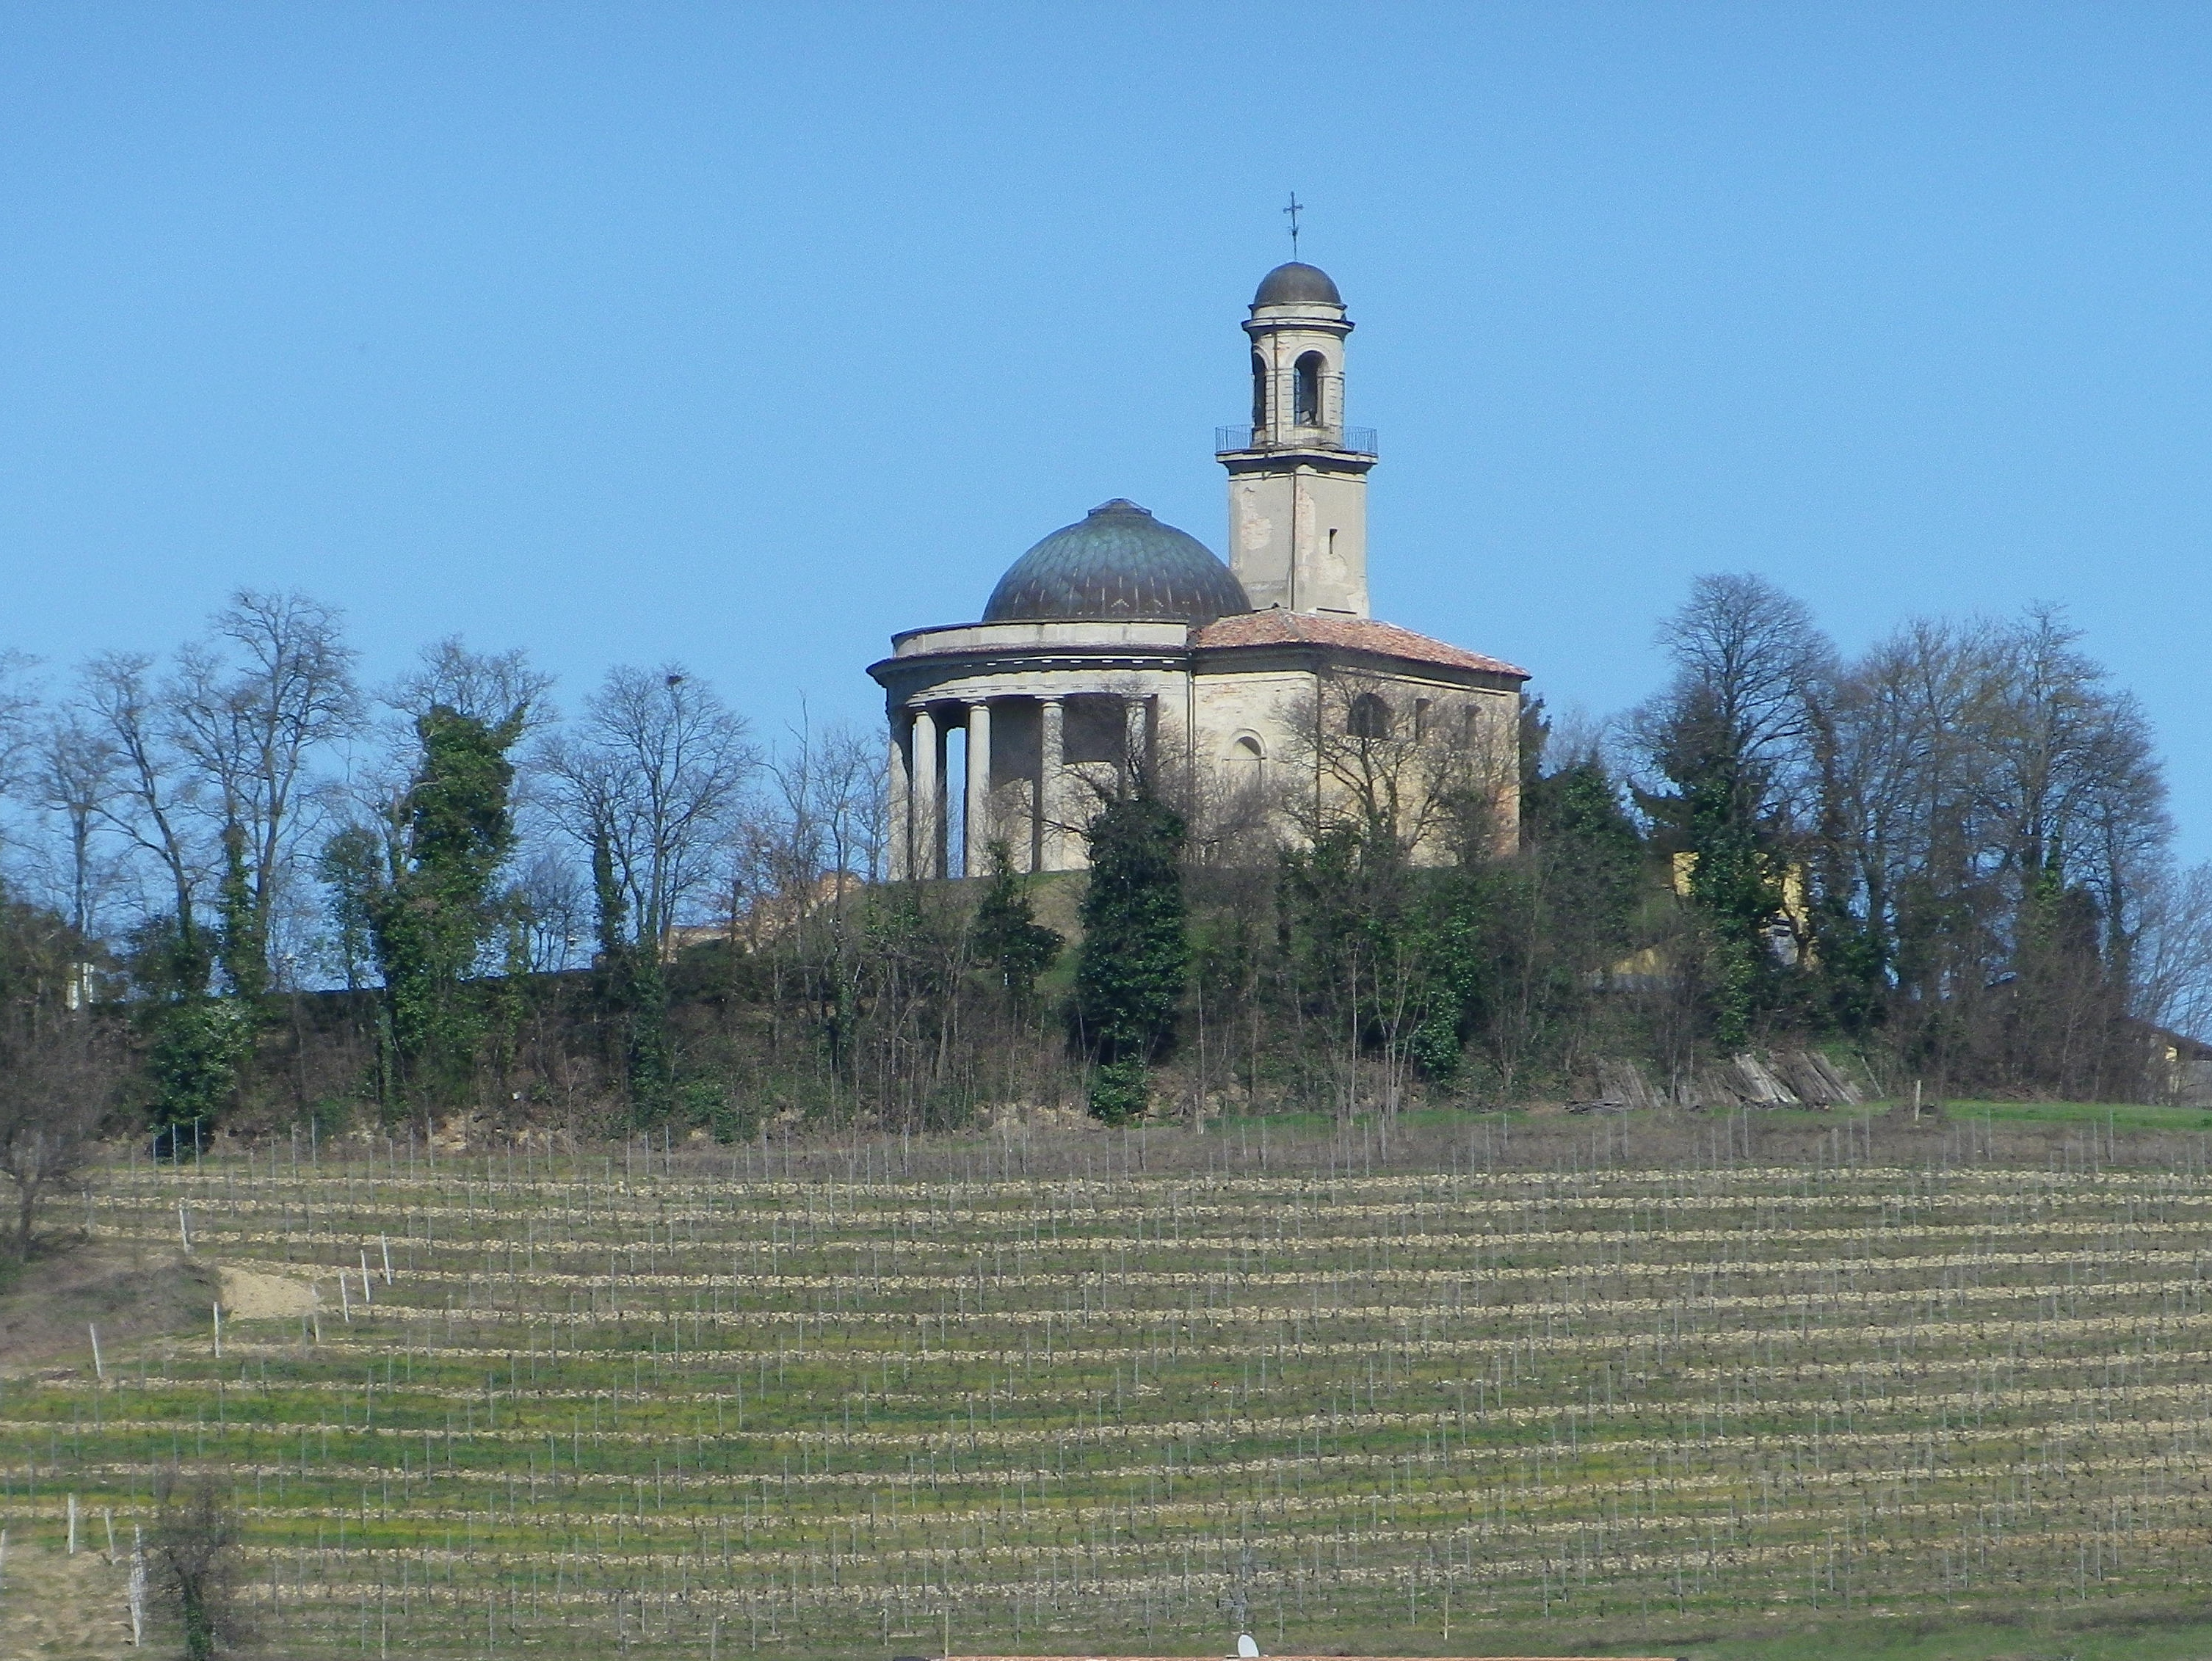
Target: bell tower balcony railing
{"points": [[1245, 440]]}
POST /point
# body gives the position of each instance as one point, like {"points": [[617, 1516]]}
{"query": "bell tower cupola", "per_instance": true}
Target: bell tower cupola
{"points": [[1298, 474]]}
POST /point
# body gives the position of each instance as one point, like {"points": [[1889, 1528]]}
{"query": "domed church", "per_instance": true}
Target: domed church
{"points": [[1120, 643]]}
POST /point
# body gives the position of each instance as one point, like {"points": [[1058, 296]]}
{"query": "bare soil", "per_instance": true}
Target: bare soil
{"points": [[250, 1295], [55, 1607]]}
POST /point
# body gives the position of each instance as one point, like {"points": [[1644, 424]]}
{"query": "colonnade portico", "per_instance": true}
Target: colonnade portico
{"points": [[1034, 820]]}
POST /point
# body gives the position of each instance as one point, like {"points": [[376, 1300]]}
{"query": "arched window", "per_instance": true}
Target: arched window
{"points": [[1259, 392], [1249, 763], [1368, 717], [1308, 392]]}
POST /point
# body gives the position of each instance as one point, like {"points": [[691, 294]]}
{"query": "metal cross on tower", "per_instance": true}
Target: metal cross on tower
{"points": [[1293, 211]]}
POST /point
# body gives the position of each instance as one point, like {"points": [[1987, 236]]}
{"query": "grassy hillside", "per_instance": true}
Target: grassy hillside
{"points": [[1667, 1385]]}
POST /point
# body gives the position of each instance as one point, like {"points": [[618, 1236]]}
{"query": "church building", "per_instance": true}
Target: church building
{"points": [[1119, 643]]}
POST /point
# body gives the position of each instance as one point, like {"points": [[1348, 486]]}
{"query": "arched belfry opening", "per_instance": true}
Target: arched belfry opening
{"points": [[1306, 410], [1258, 392]]}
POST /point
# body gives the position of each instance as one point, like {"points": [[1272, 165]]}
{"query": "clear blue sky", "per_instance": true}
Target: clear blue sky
{"points": [[745, 336]]}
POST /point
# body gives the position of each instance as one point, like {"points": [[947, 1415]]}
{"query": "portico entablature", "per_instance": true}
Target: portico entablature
{"points": [[1035, 660], [977, 684]]}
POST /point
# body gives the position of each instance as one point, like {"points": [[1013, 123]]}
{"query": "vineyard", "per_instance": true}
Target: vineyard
{"points": [[1478, 1385]]}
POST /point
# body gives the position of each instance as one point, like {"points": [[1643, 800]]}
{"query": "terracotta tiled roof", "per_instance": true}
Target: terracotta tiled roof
{"points": [[1276, 627]]}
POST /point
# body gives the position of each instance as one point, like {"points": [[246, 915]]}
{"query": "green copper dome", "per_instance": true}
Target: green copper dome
{"points": [[1116, 563]]}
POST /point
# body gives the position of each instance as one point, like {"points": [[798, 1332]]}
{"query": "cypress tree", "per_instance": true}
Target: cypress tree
{"points": [[1006, 937], [1135, 955]]}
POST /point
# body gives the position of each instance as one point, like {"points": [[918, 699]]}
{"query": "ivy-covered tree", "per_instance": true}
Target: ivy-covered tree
{"points": [[434, 919], [198, 1041], [431, 903], [199, 1044], [241, 935]]}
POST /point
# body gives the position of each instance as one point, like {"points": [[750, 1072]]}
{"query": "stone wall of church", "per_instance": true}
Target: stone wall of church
{"points": [[1266, 751], [1300, 740]]}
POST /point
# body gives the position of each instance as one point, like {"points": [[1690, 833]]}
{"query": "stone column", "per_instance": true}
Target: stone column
{"points": [[928, 795], [976, 858], [898, 805], [1049, 751]]}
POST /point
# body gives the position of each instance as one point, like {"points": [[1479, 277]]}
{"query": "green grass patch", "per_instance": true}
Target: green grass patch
{"points": [[2103, 1115], [1966, 1638]]}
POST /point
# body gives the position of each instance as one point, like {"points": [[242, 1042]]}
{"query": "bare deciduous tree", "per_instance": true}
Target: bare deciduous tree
{"points": [[652, 771], [485, 686], [1993, 820], [1748, 660], [2172, 960], [198, 1561], [57, 1077], [646, 782], [75, 775], [19, 705], [155, 805], [249, 707], [1429, 774], [827, 815], [213, 765], [557, 910]]}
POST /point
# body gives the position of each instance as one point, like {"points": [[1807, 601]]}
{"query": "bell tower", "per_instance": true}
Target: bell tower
{"points": [[1297, 476]]}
